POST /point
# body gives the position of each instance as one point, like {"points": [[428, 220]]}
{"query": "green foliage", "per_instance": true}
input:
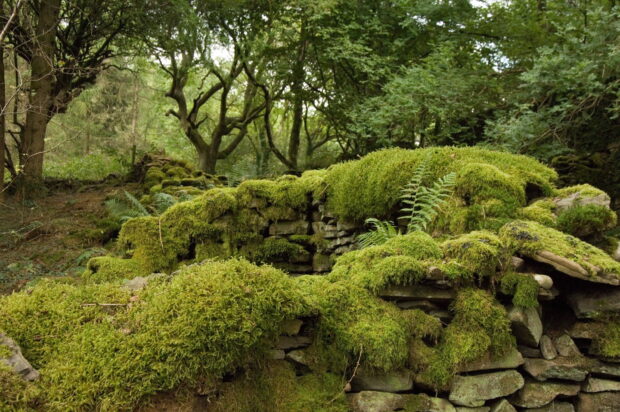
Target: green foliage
{"points": [[423, 206], [125, 208], [522, 287], [480, 325], [380, 232]]}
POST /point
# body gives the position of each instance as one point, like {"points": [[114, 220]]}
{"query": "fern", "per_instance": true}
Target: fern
{"points": [[162, 202], [425, 203], [380, 233], [123, 209]]}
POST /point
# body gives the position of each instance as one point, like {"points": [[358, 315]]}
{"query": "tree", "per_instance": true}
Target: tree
{"points": [[66, 44]]}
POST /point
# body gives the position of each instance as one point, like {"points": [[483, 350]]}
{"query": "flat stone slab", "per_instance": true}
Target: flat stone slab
{"points": [[475, 390], [554, 407], [372, 401], [560, 368], [593, 385], [591, 301], [391, 382], [598, 402], [537, 394], [574, 269], [510, 360]]}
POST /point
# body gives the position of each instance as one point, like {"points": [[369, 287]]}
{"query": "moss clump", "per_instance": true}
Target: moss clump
{"points": [[528, 238], [278, 250], [585, 191], [206, 321], [607, 341], [376, 180], [586, 220], [522, 287], [540, 211], [275, 387], [108, 268], [476, 253], [480, 325], [17, 394], [402, 260], [286, 191]]}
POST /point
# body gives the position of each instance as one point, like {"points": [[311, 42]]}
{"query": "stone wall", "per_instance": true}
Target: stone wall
{"points": [[556, 365]]}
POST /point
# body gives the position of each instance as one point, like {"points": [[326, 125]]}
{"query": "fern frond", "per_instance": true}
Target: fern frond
{"points": [[380, 233], [135, 203], [427, 202]]}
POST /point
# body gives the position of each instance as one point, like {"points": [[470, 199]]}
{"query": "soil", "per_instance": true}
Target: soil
{"points": [[53, 235]]}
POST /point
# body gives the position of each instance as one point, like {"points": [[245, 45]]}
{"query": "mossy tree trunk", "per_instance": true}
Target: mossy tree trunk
{"points": [[2, 118]]}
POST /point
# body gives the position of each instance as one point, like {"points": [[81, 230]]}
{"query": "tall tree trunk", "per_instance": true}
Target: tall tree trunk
{"points": [[298, 99], [41, 84], [2, 121], [206, 160]]}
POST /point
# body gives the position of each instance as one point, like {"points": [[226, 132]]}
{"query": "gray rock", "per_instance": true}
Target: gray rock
{"points": [[140, 282], [298, 355], [16, 362], [585, 330], [571, 369], [547, 349], [439, 405], [554, 407], [547, 295], [537, 394], [503, 406], [605, 369], [510, 360], [616, 253], [474, 390], [578, 199], [346, 226], [600, 385], [592, 301], [598, 402], [293, 342], [275, 354], [291, 327], [526, 325], [372, 401], [423, 305], [390, 382], [295, 227], [574, 269], [528, 352], [479, 409], [544, 281], [566, 346], [421, 292], [517, 263]]}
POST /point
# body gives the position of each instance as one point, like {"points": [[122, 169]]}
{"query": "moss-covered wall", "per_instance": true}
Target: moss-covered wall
{"points": [[395, 324]]}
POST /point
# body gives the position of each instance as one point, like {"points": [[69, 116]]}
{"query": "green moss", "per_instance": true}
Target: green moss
{"points": [[586, 220], [206, 321], [286, 191], [480, 325], [275, 387], [17, 395], [153, 176], [376, 180], [177, 172], [107, 268], [584, 191], [540, 211], [607, 340], [402, 260], [522, 287], [5, 352], [278, 250], [528, 238], [476, 253]]}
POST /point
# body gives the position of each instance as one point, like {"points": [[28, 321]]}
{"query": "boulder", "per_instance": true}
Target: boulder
{"points": [[566, 346], [16, 361], [547, 349], [389, 382], [591, 301], [511, 360], [526, 325], [598, 402], [371, 401], [537, 394], [503, 406], [571, 369], [601, 385], [554, 407], [474, 390]]}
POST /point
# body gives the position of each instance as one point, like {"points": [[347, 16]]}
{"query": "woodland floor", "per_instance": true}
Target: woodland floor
{"points": [[53, 235]]}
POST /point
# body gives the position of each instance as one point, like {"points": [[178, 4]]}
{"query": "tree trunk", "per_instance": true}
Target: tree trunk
{"points": [[40, 99], [298, 99], [2, 121], [206, 160]]}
